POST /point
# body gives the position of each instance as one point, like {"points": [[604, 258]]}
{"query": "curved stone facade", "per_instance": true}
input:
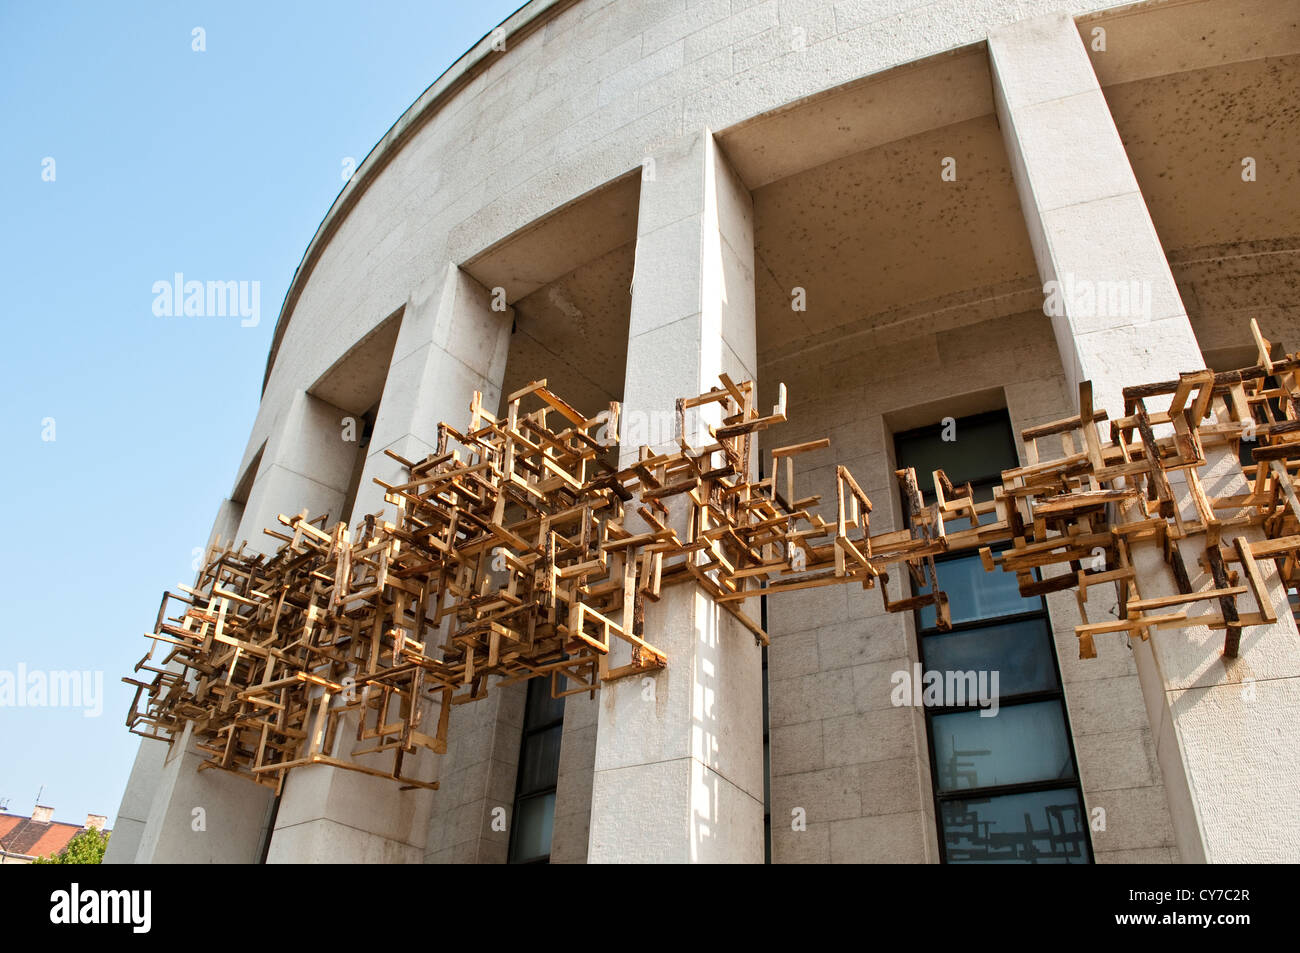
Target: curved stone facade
{"points": [[648, 186]]}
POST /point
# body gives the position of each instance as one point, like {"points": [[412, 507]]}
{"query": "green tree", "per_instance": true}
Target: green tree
{"points": [[86, 847]]}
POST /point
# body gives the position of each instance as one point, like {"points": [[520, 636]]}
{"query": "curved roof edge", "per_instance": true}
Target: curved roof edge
{"points": [[532, 15]]}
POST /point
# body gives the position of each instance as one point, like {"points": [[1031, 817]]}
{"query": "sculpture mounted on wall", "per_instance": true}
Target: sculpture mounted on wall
{"points": [[519, 550]]}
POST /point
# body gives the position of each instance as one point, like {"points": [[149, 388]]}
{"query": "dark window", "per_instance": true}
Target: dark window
{"points": [[767, 758], [539, 769], [1006, 786], [365, 428], [1273, 412]]}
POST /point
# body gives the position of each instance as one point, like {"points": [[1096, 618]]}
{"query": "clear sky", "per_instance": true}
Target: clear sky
{"points": [[216, 164]]}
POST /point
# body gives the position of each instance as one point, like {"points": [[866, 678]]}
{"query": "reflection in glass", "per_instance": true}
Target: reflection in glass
{"points": [[974, 593], [1019, 744], [983, 765], [541, 707], [538, 774], [1020, 652], [533, 820], [540, 766], [1039, 827]]}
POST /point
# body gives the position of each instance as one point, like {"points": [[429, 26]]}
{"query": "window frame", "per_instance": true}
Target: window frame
{"points": [[920, 634], [527, 734]]}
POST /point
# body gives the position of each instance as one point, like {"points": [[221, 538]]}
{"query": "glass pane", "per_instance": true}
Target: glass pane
{"points": [[534, 817], [1019, 653], [542, 708], [982, 447], [1019, 743], [540, 764], [974, 593], [767, 774], [1042, 827]]}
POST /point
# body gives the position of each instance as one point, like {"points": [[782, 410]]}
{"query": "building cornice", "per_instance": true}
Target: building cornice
{"points": [[530, 17]]}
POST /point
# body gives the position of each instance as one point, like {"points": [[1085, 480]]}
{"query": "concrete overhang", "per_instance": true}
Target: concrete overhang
{"points": [[903, 104]]}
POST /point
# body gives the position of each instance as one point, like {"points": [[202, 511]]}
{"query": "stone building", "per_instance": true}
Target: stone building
{"points": [[864, 200]]}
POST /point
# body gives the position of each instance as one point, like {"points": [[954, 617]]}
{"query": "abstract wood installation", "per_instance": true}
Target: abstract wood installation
{"points": [[520, 551]]}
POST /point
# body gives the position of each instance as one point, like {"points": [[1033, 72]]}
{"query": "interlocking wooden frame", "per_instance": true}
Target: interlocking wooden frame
{"points": [[514, 555]]}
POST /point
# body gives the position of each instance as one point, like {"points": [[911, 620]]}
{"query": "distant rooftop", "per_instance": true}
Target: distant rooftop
{"points": [[26, 838]]}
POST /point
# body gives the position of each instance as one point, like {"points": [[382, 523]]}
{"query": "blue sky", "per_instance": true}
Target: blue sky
{"points": [[217, 164]]}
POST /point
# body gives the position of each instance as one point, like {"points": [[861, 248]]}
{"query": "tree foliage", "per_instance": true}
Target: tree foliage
{"points": [[86, 847]]}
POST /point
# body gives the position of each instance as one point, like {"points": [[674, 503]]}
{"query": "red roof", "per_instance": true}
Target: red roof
{"points": [[22, 835]]}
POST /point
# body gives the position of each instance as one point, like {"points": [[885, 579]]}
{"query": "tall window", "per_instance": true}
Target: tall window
{"points": [[365, 429], [767, 757], [539, 770], [1006, 786]]}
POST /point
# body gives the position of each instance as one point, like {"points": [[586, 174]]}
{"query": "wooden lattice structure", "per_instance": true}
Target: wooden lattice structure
{"points": [[519, 550]]}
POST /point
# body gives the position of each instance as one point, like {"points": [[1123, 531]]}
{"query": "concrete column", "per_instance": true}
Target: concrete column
{"points": [[133, 813], [306, 465], [225, 527], [1225, 728], [679, 770], [203, 817], [573, 788], [477, 775], [1088, 222], [451, 344], [146, 772], [213, 816]]}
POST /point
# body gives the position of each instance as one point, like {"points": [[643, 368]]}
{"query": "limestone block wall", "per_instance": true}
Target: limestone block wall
{"points": [[1224, 286]]}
